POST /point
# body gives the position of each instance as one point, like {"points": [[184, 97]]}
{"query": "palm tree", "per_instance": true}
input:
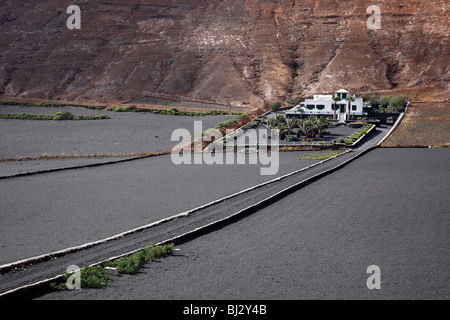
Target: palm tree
{"points": [[278, 123], [288, 127], [336, 100], [308, 127], [322, 123], [304, 128], [350, 100], [280, 119]]}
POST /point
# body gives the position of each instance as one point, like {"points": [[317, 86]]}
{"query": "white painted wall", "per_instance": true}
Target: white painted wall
{"points": [[328, 104]]}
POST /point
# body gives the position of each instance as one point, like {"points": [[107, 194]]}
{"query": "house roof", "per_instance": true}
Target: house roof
{"points": [[342, 91]]}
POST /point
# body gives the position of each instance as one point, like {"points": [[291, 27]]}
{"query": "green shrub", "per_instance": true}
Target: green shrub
{"points": [[92, 107], [227, 123], [131, 264], [98, 276], [398, 102], [58, 116], [291, 138], [348, 141], [25, 116], [276, 105], [219, 112], [91, 277], [355, 136], [64, 116], [384, 101], [94, 277], [31, 104], [391, 103], [171, 111]]}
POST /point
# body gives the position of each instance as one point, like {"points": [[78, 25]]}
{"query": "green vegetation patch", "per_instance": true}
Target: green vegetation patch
{"points": [[276, 105], [92, 107], [31, 104], [46, 104], [230, 122], [91, 277], [319, 155], [98, 276], [383, 104], [132, 263], [171, 111], [355, 136], [310, 128], [58, 116]]}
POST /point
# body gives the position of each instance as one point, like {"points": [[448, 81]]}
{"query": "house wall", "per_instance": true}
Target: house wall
{"points": [[325, 107]]}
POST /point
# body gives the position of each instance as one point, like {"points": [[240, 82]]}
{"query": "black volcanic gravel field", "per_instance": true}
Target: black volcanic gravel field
{"points": [[389, 208], [124, 133]]}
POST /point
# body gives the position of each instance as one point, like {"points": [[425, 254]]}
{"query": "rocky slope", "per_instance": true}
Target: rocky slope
{"points": [[241, 52]]}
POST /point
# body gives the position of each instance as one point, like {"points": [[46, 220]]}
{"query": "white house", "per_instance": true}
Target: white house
{"points": [[323, 105]]}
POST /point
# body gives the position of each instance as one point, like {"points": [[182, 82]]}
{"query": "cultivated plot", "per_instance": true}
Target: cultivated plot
{"points": [[123, 133], [424, 125]]}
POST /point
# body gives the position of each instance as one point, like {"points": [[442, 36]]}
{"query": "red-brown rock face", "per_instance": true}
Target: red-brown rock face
{"points": [[231, 51]]}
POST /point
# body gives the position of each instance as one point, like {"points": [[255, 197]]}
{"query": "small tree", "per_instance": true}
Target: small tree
{"points": [[288, 127], [336, 100], [270, 124], [275, 106], [384, 101], [322, 123], [350, 100], [397, 102]]}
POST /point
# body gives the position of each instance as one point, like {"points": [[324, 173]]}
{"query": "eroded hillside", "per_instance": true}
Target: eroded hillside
{"points": [[241, 52]]}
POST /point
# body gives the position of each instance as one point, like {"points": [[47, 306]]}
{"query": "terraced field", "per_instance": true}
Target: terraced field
{"points": [[424, 125]]}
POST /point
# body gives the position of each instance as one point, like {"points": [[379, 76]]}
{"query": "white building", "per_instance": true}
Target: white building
{"points": [[323, 105]]}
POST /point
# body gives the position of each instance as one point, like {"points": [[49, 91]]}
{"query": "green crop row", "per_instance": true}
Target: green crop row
{"points": [[31, 104], [171, 111], [58, 116]]}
